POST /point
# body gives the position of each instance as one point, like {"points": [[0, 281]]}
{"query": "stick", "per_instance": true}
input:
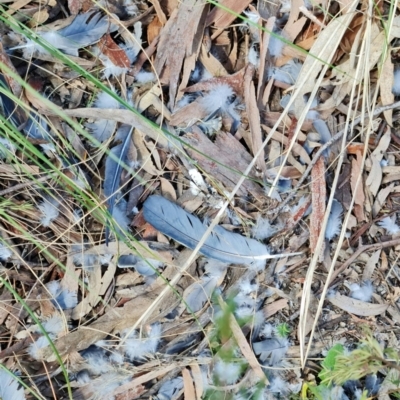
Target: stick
{"points": [[334, 138]]}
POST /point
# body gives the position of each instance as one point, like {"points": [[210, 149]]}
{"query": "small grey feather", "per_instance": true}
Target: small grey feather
{"points": [[185, 228], [114, 165], [87, 29], [334, 221]]}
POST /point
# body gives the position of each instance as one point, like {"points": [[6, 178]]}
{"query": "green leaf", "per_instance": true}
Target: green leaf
{"points": [[329, 362]]}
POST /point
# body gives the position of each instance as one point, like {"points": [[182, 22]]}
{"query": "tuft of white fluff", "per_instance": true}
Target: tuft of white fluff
{"points": [[145, 76], [278, 385], [49, 209], [110, 69], [104, 100], [396, 82], [254, 57], [5, 252], [363, 292], [252, 16], [6, 148], [227, 372], [389, 224], [217, 98], [97, 361], [83, 377], [138, 348], [334, 221], [311, 115], [267, 331], [54, 325], [333, 393], [54, 39], [117, 358], [62, 298], [10, 388], [131, 8], [246, 287], [286, 6], [198, 183], [35, 348], [184, 101], [276, 45], [263, 229], [103, 387], [288, 73]]}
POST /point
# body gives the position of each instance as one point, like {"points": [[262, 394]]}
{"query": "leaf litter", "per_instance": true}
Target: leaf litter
{"points": [[264, 138]]}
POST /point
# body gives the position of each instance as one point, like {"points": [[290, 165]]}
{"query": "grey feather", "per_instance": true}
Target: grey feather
{"points": [[144, 267], [175, 222], [272, 348], [114, 165], [325, 135], [87, 29], [198, 293], [334, 221], [101, 129], [33, 125], [170, 388]]}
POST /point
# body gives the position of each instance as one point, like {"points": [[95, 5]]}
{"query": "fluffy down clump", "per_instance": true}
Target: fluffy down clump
{"points": [[389, 224], [263, 229], [49, 210], [137, 348], [218, 98], [362, 292], [227, 372]]}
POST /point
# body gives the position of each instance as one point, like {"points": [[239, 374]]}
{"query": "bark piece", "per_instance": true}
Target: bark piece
{"points": [[179, 39], [230, 153], [318, 196]]}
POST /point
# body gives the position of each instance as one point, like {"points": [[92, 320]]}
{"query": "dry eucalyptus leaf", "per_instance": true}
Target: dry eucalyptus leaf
{"points": [[357, 307]]}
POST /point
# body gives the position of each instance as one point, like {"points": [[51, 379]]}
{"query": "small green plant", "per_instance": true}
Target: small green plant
{"points": [[341, 365], [282, 330]]}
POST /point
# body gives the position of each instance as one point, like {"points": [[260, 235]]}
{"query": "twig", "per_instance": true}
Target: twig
{"points": [[363, 249], [318, 154], [26, 184]]}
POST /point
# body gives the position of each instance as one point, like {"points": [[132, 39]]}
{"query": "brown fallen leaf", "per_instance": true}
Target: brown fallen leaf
{"points": [[323, 49], [270, 309], [358, 193], [222, 18], [374, 179], [254, 117], [198, 380], [179, 39], [318, 199], [235, 81], [188, 386], [223, 149], [116, 55], [154, 28], [357, 307]]}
